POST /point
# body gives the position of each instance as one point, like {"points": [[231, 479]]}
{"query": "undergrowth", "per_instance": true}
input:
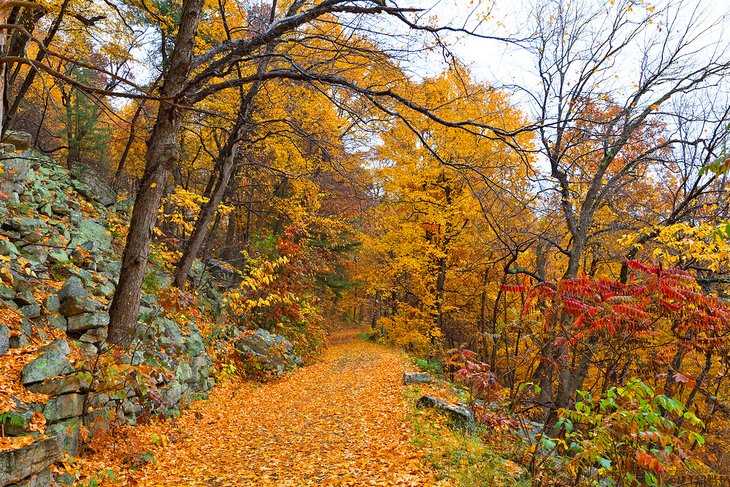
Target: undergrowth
{"points": [[467, 460], [431, 365]]}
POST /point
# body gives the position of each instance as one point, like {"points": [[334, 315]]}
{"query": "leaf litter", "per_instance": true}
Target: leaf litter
{"points": [[338, 422]]}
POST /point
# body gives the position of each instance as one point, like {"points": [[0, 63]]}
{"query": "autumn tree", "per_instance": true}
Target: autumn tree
{"points": [[18, 19], [608, 76], [189, 79], [432, 236]]}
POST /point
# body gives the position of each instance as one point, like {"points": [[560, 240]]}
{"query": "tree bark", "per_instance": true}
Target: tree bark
{"points": [[3, 51], [163, 151], [227, 163]]}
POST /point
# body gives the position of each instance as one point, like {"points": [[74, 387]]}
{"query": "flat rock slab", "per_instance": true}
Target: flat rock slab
{"points": [[51, 363], [417, 378], [459, 414], [18, 465], [273, 352], [91, 185], [64, 407]]}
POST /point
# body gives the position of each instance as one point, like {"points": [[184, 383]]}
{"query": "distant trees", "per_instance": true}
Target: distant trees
{"points": [[19, 19], [430, 240], [630, 109]]}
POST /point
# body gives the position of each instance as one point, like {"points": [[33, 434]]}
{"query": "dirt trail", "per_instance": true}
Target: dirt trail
{"points": [[337, 422]]}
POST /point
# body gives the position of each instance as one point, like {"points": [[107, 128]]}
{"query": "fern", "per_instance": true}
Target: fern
{"points": [[12, 419]]}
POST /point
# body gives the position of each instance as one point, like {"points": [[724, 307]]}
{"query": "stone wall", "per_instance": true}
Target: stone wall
{"points": [[56, 227]]}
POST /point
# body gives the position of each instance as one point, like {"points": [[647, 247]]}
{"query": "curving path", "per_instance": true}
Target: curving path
{"points": [[337, 422]]}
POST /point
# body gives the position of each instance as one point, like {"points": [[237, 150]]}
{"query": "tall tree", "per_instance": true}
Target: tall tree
{"points": [[162, 153]]}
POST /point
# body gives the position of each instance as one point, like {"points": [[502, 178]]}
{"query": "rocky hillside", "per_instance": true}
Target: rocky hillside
{"points": [[59, 383]]}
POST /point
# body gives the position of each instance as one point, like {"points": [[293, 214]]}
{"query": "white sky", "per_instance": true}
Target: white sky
{"points": [[501, 64]]}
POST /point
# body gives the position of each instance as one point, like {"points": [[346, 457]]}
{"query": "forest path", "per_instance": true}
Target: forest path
{"points": [[340, 421]]}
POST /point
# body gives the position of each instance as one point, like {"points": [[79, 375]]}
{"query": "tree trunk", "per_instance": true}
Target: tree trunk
{"points": [[162, 153], [130, 140], [226, 164], [3, 68], [6, 119], [440, 287], [483, 316]]}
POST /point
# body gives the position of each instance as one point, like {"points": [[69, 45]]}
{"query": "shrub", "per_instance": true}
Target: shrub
{"points": [[630, 436]]}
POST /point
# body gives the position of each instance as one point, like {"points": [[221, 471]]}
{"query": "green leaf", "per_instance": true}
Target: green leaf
{"points": [[693, 435], [547, 443], [650, 479]]}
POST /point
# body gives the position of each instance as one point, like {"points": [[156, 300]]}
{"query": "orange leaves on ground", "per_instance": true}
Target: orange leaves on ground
{"points": [[15, 442], [338, 422], [11, 363]]}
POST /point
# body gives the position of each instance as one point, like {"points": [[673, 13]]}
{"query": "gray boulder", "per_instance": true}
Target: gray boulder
{"points": [[60, 208], [60, 385], [172, 393], [89, 184], [195, 345], [52, 303], [6, 292], [21, 140], [25, 298], [72, 288], [74, 298], [57, 321], [31, 311], [76, 306], [417, 378], [58, 257], [45, 209], [15, 169], [184, 373], [63, 407], [95, 335], [91, 232], [66, 433], [8, 248], [4, 339], [87, 321], [459, 414], [37, 254], [170, 332], [25, 226], [53, 361]]}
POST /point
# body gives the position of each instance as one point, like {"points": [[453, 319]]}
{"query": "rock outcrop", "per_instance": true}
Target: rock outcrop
{"points": [[55, 227], [270, 354], [19, 140], [416, 378], [29, 465]]}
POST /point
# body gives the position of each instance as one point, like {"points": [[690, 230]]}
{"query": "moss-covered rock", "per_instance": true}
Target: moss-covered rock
{"points": [[64, 407], [17, 465], [53, 361]]}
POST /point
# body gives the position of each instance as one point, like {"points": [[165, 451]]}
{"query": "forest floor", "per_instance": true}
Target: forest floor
{"points": [[339, 421]]}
